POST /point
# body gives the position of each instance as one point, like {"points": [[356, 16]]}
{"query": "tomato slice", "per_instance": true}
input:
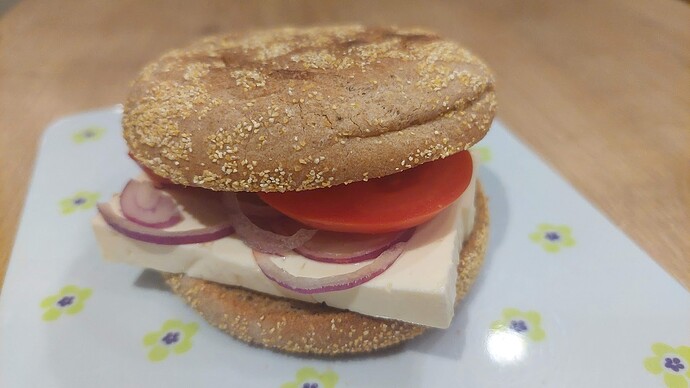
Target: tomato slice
{"points": [[380, 205]]}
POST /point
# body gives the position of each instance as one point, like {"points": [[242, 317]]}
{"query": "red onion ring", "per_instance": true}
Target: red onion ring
{"points": [[159, 236], [346, 248], [305, 285], [260, 239], [144, 204]]}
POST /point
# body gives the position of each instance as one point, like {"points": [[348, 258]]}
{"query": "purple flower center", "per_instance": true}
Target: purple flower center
{"points": [[78, 201], [552, 236], [673, 363], [65, 301], [518, 325], [171, 337], [310, 385]]}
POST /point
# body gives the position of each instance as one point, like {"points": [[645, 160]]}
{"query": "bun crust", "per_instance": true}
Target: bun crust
{"points": [[300, 327], [298, 109]]}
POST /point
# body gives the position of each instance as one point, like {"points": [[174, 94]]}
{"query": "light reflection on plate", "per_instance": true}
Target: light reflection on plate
{"points": [[506, 347]]}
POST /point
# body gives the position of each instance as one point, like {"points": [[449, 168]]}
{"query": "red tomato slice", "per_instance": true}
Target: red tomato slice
{"points": [[380, 205]]}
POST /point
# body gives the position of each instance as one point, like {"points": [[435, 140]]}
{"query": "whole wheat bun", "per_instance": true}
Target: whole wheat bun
{"points": [[300, 327], [297, 109]]}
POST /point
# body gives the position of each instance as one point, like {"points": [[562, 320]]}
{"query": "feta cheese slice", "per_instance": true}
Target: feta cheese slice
{"points": [[418, 288]]}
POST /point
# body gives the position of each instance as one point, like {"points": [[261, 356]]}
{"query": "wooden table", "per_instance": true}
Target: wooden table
{"points": [[601, 89]]}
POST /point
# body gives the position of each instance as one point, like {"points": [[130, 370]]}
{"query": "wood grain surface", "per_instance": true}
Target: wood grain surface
{"points": [[600, 89]]}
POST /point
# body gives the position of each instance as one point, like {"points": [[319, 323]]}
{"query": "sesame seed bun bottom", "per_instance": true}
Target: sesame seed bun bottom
{"points": [[300, 327]]}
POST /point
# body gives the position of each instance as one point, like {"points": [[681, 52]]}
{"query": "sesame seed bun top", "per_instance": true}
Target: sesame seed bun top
{"points": [[298, 109]]}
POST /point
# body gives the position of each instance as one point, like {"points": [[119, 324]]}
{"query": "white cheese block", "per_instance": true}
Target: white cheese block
{"points": [[418, 288]]}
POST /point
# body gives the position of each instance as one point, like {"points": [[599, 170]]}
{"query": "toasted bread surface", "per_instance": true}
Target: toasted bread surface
{"points": [[297, 109]]}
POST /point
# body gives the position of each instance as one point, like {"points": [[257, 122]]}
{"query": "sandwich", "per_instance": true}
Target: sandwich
{"points": [[308, 190]]}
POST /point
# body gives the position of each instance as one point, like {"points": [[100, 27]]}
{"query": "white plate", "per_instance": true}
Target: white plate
{"points": [[608, 315]]}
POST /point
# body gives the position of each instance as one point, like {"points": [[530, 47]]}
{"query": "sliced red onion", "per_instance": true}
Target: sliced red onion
{"points": [[260, 239], [160, 236], [305, 285], [142, 203], [346, 248]]}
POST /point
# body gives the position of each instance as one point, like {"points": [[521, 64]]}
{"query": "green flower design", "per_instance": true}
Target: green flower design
{"points": [[174, 335], [80, 201], [525, 323], [69, 300], [673, 363], [552, 237], [483, 153], [88, 134], [310, 378]]}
